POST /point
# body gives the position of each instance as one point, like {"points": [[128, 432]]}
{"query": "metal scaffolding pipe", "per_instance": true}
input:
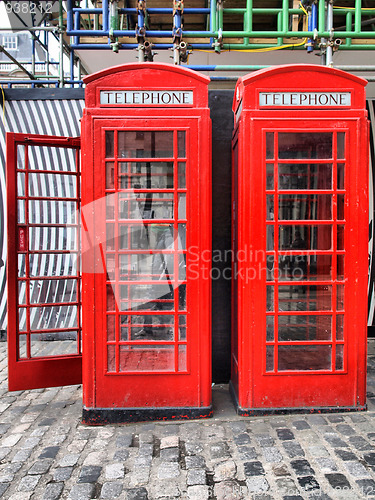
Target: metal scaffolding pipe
{"points": [[329, 54]]}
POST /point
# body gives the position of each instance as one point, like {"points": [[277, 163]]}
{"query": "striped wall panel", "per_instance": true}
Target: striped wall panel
{"points": [[49, 117]]}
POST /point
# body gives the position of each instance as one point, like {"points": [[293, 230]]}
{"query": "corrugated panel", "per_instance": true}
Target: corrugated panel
{"points": [[50, 117]]}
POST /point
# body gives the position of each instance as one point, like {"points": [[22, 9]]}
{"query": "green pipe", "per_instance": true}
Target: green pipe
{"points": [[285, 22], [249, 15], [276, 34], [357, 16], [280, 39], [349, 22], [321, 15]]}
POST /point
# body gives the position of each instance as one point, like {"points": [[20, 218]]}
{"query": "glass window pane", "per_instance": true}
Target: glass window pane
{"points": [[340, 207], [146, 236], [339, 357], [146, 266], [109, 143], [52, 212], [340, 237], [305, 176], [305, 298], [270, 328], [340, 289], [270, 237], [22, 319], [182, 327], [305, 267], [305, 145], [182, 206], [340, 267], [305, 207], [270, 298], [42, 318], [145, 297], [339, 327], [270, 209], [111, 327], [270, 358], [341, 145], [145, 206], [145, 144], [22, 352], [146, 358], [270, 268], [53, 238], [145, 175], [182, 298], [270, 145], [147, 327], [181, 139], [305, 328], [305, 237], [51, 185], [182, 365], [53, 291], [181, 175], [111, 358], [341, 176], [111, 303], [53, 344], [110, 175], [269, 176], [301, 358], [52, 265]]}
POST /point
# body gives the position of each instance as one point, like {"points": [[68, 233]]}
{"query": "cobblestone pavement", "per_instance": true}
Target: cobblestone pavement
{"points": [[46, 453]]}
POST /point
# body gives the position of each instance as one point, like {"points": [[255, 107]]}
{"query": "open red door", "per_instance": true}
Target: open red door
{"points": [[43, 268]]}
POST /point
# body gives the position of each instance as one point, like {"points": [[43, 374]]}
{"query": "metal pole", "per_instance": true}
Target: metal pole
{"points": [[329, 56], [61, 41]]}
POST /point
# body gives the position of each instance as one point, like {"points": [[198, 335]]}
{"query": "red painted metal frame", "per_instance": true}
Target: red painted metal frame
{"points": [[256, 389], [155, 390], [30, 372]]}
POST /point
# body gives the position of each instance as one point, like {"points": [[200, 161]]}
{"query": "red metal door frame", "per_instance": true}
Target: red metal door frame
{"points": [[31, 370]]}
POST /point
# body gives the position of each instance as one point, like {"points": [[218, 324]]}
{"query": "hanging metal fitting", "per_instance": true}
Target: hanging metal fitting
{"points": [[149, 53], [218, 43]]}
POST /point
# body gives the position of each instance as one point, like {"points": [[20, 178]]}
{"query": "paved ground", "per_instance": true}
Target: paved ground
{"points": [[45, 452]]}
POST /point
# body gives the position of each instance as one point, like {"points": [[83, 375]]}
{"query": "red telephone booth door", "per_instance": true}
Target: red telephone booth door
{"points": [[301, 236], [43, 270], [147, 338]]}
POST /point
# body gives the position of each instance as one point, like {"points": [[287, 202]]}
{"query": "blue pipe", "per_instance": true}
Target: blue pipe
{"points": [[312, 25], [72, 66], [76, 26], [131, 46], [150, 11], [105, 10], [69, 15]]}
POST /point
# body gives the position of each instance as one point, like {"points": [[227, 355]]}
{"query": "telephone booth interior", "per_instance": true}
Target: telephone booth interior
{"points": [[146, 207], [300, 173]]}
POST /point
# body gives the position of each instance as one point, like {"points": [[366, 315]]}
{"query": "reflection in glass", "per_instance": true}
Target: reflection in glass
{"points": [[269, 145], [305, 176], [269, 358], [182, 327], [300, 358], [109, 144], [147, 327], [181, 139], [181, 175], [111, 358], [305, 145], [341, 176], [145, 144], [145, 175], [298, 237], [270, 210], [305, 207], [145, 206], [305, 267], [340, 237], [146, 266], [339, 357], [305, 328], [339, 327], [111, 327], [182, 364], [110, 236], [341, 145], [182, 297], [110, 175], [269, 176], [340, 207], [270, 298], [145, 358], [305, 297], [270, 328]]}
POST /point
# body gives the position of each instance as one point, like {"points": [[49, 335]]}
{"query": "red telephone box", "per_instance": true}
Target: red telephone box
{"points": [[300, 236], [146, 192]]}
